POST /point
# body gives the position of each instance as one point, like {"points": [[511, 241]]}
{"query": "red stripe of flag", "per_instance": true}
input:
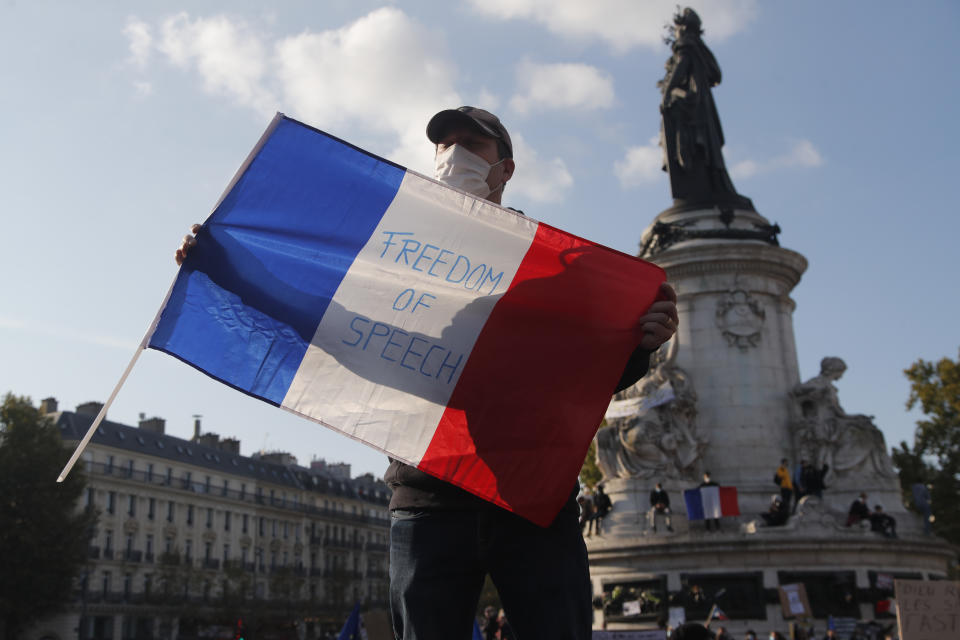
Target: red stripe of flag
{"points": [[728, 501], [516, 429]]}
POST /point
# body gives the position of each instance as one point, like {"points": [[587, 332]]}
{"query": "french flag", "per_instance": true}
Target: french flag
{"points": [[465, 339], [711, 502]]}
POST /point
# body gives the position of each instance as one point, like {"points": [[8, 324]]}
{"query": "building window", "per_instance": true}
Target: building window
{"points": [[89, 498], [106, 583], [286, 530], [129, 544], [149, 472], [132, 506], [262, 527], [109, 468], [188, 550], [108, 541], [190, 514], [127, 585], [170, 511], [168, 546], [151, 508], [246, 522], [112, 502], [243, 491], [243, 554], [207, 551], [226, 553], [209, 517], [187, 480], [129, 468], [273, 528], [149, 547], [169, 479], [147, 583], [226, 485], [206, 485]]}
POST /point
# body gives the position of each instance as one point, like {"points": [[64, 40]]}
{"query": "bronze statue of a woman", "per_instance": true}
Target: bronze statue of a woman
{"points": [[690, 134]]}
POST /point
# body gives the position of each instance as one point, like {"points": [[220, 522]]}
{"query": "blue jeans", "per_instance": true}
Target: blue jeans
{"points": [[438, 561]]}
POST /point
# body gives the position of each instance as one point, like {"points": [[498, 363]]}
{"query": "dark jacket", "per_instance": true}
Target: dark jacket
{"points": [[658, 496]]}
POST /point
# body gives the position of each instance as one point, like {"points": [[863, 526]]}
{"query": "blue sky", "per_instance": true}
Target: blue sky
{"points": [[123, 122]]}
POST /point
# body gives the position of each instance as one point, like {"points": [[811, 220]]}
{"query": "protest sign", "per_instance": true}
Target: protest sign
{"points": [[928, 609], [793, 600]]}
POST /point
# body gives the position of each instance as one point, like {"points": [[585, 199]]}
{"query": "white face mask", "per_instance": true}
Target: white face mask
{"points": [[457, 167]]}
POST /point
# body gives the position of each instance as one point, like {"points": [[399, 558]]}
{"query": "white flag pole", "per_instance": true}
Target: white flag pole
{"points": [[103, 411]]}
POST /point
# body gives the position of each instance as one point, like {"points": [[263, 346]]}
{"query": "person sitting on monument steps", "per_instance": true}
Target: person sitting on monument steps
{"points": [[883, 523], [782, 479], [602, 504], [707, 482], [778, 513], [859, 511], [659, 505]]}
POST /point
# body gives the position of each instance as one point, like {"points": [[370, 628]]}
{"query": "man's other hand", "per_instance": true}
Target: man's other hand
{"points": [[659, 323], [190, 240]]}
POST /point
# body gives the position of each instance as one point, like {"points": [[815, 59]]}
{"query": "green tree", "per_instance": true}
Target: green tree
{"points": [[590, 473], [43, 534], [935, 456]]}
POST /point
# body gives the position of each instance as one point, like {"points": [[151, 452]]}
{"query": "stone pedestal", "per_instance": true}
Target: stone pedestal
{"points": [[734, 360]]}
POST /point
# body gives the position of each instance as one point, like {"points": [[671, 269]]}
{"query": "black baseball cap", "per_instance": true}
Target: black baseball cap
{"points": [[486, 122]]}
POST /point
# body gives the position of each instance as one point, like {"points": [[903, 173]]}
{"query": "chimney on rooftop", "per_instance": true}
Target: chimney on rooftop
{"points": [[230, 445], [153, 425], [90, 408], [196, 427], [48, 406]]}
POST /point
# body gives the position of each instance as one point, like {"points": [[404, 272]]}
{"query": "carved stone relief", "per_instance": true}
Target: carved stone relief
{"points": [[651, 427], [740, 318]]}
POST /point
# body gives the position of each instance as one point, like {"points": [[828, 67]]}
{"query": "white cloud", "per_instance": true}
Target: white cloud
{"points": [[229, 56], [803, 154], [140, 39], [561, 86], [384, 73], [536, 178], [621, 24], [379, 78], [641, 165]]}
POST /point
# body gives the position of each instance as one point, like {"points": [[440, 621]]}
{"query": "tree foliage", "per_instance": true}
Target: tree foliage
{"points": [[590, 474], [43, 534], [935, 456]]}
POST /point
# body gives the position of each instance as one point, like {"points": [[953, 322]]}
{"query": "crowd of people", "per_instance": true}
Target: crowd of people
{"points": [[879, 521]]}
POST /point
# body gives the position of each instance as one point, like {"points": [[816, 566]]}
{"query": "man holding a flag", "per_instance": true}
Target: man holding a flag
{"points": [[444, 539]]}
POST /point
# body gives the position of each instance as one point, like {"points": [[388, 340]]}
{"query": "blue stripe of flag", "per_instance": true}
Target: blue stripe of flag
{"points": [[694, 502], [250, 295]]}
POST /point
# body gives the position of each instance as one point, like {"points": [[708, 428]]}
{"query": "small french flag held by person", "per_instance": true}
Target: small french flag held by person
{"points": [[465, 339], [711, 502]]}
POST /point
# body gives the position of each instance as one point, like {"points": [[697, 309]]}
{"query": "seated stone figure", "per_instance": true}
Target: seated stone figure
{"points": [[828, 435]]}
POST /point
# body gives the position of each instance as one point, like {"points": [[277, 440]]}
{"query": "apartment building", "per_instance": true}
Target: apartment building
{"points": [[193, 536]]}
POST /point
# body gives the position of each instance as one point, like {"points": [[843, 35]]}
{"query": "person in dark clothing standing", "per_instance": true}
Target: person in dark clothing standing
{"points": [[444, 540], [707, 482], [659, 505], [813, 479], [601, 501]]}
